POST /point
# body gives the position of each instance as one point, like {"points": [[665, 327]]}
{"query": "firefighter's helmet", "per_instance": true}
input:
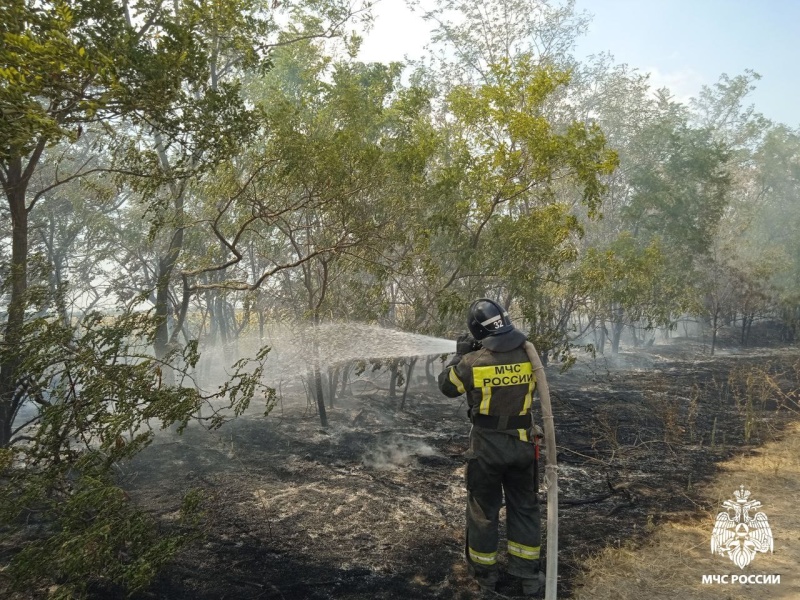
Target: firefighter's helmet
{"points": [[487, 318]]}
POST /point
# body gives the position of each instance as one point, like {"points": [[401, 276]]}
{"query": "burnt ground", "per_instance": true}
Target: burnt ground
{"points": [[373, 507]]}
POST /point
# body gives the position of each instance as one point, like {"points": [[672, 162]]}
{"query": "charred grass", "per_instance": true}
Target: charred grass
{"points": [[373, 507], [673, 559]]}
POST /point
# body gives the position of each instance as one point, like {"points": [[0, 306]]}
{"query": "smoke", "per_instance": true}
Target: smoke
{"points": [[396, 452]]}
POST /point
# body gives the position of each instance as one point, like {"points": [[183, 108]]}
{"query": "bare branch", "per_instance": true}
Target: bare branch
{"points": [[22, 438], [24, 425], [187, 295], [330, 32], [244, 286], [77, 175], [149, 22], [34, 159]]}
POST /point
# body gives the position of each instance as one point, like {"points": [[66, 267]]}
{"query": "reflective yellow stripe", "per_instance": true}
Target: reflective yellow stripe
{"points": [[523, 435], [486, 398], [526, 406], [522, 551], [484, 558], [456, 381]]}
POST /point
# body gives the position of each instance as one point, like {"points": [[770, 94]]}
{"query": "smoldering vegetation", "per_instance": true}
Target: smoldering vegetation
{"points": [[372, 506]]}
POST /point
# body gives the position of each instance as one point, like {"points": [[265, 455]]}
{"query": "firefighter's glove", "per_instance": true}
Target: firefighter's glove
{"points": [[465, 344], [538, 438]]}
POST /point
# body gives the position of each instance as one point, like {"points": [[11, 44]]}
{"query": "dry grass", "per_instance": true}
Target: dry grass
{"points": [[672, 562]]}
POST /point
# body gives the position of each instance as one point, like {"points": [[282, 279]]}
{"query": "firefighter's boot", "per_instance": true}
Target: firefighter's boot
{"points": [[533, 588]]}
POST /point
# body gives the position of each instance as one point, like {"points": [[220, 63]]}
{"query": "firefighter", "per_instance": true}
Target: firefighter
{"points": [[492, 368]]}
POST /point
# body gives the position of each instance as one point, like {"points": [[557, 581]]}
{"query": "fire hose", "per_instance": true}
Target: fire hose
{"points": [[550, 473]]}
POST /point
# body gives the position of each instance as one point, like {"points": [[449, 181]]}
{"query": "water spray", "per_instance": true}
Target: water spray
{"points": [[294, 351]]}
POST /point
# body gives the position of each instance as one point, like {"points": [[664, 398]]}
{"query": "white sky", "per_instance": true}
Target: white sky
{"points": [[397, 32], [683, 43]]}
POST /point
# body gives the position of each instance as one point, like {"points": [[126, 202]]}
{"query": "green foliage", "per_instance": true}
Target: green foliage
{"points": [[681, 194], [774, 217], [99, 397], [480, 34], [168, 77], [92, 537], [343, 149], [70, 64], [502, 215], [511, 151], [53, 59], [637, 278]]}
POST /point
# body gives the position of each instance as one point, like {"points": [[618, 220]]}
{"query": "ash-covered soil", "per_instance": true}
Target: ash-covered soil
{"points": [[373, 507]]}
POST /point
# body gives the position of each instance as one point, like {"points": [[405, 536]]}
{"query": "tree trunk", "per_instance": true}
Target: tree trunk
{"points": [[333, 382], [747, 322], [616, 334], [600, 336], [408, 381], [429, 375], [166, 264], [323, 416], [345, 378], [743, 337], [317, 383], [161, 341], [232, 347], [636, 341], [16, 188], [714, 320], [394, 369], [617, 325]]}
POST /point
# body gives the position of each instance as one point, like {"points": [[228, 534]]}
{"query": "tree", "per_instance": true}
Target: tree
{"points": [[338, 147], [674, 191], [471, 36], [56, 78], [774, 219], [631, 282], [509, 231], [682, 192], [67, 67], [93, 391]]}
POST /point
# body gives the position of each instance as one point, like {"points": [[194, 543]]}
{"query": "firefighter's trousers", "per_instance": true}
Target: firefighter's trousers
{"points": [[500, 463]]}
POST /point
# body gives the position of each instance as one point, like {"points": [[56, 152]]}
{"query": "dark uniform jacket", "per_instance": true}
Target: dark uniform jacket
{"points": [[499, 388]]}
